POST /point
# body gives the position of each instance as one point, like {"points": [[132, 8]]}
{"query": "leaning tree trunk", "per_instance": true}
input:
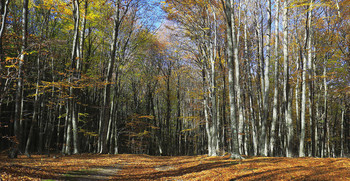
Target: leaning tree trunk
{"points": [[107, 97]]}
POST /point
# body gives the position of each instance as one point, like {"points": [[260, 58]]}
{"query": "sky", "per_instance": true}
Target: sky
{"points": [[155, 13]]}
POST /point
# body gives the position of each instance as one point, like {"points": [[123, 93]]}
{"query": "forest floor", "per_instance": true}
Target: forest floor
{"points": [[145, 167]]}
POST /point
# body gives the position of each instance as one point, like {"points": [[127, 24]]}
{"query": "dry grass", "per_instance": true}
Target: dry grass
{"points": [[144, 167]]}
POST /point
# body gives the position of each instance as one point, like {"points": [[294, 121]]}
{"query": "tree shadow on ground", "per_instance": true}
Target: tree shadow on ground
{"points": [[321, 172], [172, 173], [32, 172]]}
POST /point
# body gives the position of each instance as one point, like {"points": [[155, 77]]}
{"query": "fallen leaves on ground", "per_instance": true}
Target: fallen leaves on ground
{"points": [[145, 167]]}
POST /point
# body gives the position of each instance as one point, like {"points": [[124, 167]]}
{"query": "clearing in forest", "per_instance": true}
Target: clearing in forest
{"points": [[145, 167]]}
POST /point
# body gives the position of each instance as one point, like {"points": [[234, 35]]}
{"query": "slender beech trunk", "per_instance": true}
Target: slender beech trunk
{"points": [[68, 139], [312, 102], [19, 97], [266, 82], [82, 37], [325, 118], [178, 115], [342, 131], [276, 83], [297, 88], [214, 121], [205, 107], [4, 11], [260, 73], [117, 107], [65, 133], [75, 57], [303, 109], [306, 61], [229, 11], [286, 87], [237, 86], [104, 118]]}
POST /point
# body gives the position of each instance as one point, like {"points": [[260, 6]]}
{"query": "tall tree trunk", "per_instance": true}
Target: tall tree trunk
{"points": [[325, 112], [303, 109], [178, 119], [286, 87], [266, 82], [276, 83], [205, 108], [229, 11], [306, 60], [168, 112], [214, 121], [107, 96], [342, 140], [237, 85], [18, 105], [82, 37], [75, 57], [4, 12]]}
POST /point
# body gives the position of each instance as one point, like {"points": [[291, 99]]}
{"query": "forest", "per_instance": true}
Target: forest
{"points": [[174, 78]]}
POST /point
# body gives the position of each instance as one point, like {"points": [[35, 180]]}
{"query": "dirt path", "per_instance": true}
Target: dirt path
{"points": [[100, 173]]}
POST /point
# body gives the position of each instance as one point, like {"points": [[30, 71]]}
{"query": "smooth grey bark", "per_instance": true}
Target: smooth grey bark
{"points": [[286, 87], [4, 83], [110, 126], [236, 45], [342, 140], [178, 114], [312, 67], [205, 107], [63, 151], [68, 140], [82, 37], [297, 88], [168, 109], [3, 9], [325, 149], [42, 125], [306, 61], [19, 89], [258, 18], [76, 148], [230, 34], [106, 95], [214, 117], [276, 83], [264, 138], [74, 65], [303, 110]]}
